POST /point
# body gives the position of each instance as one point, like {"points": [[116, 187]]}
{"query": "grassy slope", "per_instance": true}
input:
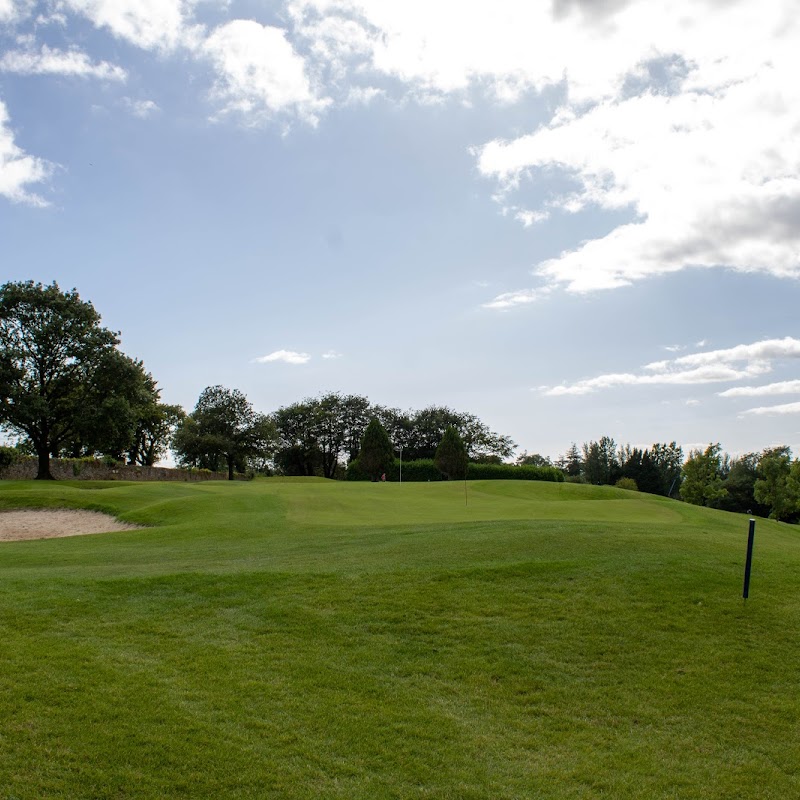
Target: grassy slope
{"points": [[313, 639]]}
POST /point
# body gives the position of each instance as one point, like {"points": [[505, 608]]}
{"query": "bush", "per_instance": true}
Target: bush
{"points": [[511, 472], [627, 483], [424, 469], [413, 471], [8, 456]]}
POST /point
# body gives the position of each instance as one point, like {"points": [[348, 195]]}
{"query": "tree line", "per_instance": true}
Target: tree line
{"points": [[66, 390], [765, 483]]}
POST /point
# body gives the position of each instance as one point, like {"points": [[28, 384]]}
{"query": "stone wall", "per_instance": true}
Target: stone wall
{"points": [[79, 469]]}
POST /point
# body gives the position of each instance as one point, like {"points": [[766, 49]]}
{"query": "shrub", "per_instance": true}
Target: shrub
{"points": [[413, 471], [451, 455], [627, 483], [8, 456], [511, 472]]}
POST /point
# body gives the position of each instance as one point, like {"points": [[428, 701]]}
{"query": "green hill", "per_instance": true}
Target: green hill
{"points": [[304, 638]]}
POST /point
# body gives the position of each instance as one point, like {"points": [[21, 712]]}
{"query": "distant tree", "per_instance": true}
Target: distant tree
{"points": [[775, 487], [420, 433], [54, 358], [376, 454], [668, 460], [571, 462], [298, 449], [533, 460], [155, 428], [223, 428], [451, 455], [739, 483], [702, 477], [318, 434], [600, 465], [638, 465]]}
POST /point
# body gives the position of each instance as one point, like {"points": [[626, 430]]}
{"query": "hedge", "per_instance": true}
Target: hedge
{"points": [[511, 472], [425, 470]]}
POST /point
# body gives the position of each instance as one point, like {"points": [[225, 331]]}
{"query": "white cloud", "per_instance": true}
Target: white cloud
{"points": [[714, 366], [509, 300], [259, 73], [690, 122], [768, 390], [763, 351], [331, 355], [141, 108], [18, 170], [287, 356], [787, 408], [48, 61], [149, 24], [8, 10]]}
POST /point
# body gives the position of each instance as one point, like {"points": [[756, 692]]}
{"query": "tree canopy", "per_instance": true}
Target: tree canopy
{"points": [[64, 385], [222, 429]]}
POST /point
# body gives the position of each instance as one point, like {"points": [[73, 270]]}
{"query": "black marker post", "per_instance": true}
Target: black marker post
{"points": [[749, 562]]}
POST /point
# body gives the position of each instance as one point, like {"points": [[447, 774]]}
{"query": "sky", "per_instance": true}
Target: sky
{"points": [[572, 218]]}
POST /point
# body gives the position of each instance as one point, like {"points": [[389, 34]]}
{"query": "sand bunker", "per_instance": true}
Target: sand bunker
{"points": [[16, 526]]}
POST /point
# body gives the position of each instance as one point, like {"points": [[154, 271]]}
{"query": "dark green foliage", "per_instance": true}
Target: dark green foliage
{"points": [[532, 460], [451, 455], [115, 403], [571, 463], [668, 459], [155, 428], [512, 472], [600, 464], [420, 432], [740, 483], [8, 456], [223, 429], [418, 471], [776, 486], [376, 455], [319, 434], [61, 377], [702, 477], [638, 466], [425, 470]]}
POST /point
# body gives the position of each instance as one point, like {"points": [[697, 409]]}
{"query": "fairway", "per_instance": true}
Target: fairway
{"points": [[303, 638]]}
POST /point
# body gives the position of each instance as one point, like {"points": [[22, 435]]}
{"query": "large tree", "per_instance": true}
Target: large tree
{"points": [[55, 359], [223, 428], [114, 406]]}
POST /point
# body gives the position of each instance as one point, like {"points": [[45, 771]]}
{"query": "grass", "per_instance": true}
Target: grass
{"points": [[305, 639]]}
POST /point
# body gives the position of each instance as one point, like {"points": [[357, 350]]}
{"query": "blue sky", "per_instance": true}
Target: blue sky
{"points": [[572, 219]]}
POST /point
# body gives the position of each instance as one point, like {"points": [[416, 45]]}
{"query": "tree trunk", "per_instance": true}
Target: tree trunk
{"points": [[230, 468], [44, 465]]}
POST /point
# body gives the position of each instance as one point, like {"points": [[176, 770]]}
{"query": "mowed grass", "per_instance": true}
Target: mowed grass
{"points": [[304, 639]]}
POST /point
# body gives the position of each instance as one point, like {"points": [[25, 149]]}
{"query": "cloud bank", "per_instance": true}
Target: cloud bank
{"points": [[714, 366]]}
